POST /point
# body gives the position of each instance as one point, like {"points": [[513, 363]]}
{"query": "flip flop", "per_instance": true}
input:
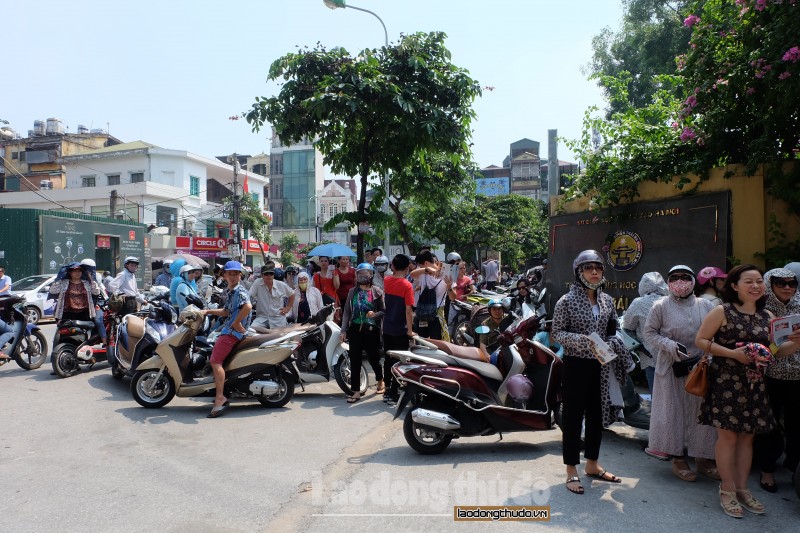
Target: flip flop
{"points": [[380, 390], [575, 479], [683, 473], [353, 399], [601, 476], [218, 410]]}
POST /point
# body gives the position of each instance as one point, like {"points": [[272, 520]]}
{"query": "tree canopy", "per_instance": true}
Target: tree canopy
{"points": [[373, 113]]}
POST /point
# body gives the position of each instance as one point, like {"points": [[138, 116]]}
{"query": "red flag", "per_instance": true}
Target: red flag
{"points": [[245, 188]]}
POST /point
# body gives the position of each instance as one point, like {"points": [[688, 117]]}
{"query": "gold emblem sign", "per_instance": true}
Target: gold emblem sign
{"points": [[625, 250]]}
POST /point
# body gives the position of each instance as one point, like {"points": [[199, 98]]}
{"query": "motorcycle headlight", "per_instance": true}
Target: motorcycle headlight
{"points": [[153, 332]]}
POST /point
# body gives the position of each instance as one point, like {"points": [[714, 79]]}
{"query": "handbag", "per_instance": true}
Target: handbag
{"points": [[697, 382], [684, 366]]}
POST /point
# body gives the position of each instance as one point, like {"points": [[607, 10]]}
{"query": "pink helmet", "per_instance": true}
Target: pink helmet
{"points": [[708, 273]]}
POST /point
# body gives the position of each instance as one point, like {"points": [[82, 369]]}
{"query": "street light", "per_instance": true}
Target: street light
{"points": [[310, 198], [340, 4]]}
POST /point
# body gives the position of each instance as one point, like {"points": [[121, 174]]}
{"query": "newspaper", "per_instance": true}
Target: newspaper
{"points": [[781, 328], [452, 271], [601, 350]]}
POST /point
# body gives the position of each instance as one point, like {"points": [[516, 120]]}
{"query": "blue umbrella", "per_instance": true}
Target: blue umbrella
{"points": [[332, 250]]}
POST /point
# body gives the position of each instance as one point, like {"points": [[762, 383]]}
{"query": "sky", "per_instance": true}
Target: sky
{"points": [[172, 72]]}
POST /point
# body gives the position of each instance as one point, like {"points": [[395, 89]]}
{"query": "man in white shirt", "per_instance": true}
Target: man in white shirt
{"points": [[125, 284], [492, 269], [274, 299]]}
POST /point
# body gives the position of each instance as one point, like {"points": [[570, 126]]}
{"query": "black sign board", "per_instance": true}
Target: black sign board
{"points": [[639, 238]]}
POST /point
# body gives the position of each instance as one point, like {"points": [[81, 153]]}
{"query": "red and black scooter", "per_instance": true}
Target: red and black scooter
{"points": [[454, 392]]}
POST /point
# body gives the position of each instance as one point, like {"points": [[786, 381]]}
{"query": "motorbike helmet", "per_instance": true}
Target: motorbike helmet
{"points": [[587, 256], [185, 269], [453, 258], [683, 269], [131, 259], [364, 273], [89, 262], [520, 388], [279, 274], [292, 270], [382, 264], [707, 274], [495, 302]]}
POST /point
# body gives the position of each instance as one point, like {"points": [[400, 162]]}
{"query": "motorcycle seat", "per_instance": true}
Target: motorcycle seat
{"points": [[255, 341], [486, 370], [78, 324], [462, 352]]}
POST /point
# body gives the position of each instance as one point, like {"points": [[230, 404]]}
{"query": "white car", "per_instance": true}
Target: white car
{"points": [[36, 290]]}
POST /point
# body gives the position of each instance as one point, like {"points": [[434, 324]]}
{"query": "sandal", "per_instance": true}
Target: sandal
{"points": [[578, 489], [381, 388], [769, 486], [602, 476], [683, 473], [354, 398], [747, 501], [731, 507], [708, 469]]}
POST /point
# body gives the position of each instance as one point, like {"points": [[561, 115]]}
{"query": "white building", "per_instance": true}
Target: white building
{"points": [[176, 192]]}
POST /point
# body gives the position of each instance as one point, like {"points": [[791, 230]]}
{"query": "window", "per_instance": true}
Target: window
{"points": [[194, 186], [255, 196], [113, 179], [333, 210], [137, 177], [22, 157], [14, 155], [322, 210], [87, 181]]}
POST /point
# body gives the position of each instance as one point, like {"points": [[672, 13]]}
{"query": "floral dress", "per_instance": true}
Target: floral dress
{"points": [[734, 401]]}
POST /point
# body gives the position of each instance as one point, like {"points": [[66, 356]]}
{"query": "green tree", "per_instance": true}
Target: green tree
{"points": [[251, 219], [288, 245], [652, 34], [373, 113]]}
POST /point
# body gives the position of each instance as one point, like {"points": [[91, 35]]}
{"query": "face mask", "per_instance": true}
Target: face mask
{"points": [[588, 285], [364, 280], [381, 268], [303, 286], [680, 288]]}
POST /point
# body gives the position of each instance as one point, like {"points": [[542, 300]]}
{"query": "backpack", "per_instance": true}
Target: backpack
{"points": [[427, 304]]}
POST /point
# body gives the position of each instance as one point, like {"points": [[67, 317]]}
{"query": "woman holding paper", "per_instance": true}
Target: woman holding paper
{"points": [[669, 331], [783, 384], [591, 389], [736, 403]]}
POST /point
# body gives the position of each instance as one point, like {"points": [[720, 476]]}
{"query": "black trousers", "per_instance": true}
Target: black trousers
{"points": [[432, 329], [363, 340], [392, 342], [582, 400], [784, 398]]}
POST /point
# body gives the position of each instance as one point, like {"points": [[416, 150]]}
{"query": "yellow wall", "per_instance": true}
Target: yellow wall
{"points": [[751, 207]]}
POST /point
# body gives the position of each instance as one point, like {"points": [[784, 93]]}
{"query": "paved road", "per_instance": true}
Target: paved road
{"points": [[79, 454]]}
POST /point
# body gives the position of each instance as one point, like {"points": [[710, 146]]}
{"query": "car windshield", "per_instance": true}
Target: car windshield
{"points": [[31, 282]]}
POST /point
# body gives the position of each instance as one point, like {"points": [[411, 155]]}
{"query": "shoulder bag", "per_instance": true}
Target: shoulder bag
{"points": [[697, 382]]}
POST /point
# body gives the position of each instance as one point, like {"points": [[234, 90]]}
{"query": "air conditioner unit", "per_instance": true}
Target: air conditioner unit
{"points": [[46, 185]]}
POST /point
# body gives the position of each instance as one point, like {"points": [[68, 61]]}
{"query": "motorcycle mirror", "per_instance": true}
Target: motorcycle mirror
{"points": [[482, 330]]}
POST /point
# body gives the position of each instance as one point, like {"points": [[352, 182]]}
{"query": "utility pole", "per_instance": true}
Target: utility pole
{"points": [[235, 248]]}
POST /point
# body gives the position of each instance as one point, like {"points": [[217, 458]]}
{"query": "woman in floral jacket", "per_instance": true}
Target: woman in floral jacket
{"points": [[591, 390]]}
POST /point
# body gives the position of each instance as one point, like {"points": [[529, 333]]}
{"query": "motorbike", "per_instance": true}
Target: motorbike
{"points": [[77, 343], [322, 353], [28, 346], [259, 367], [453, 392], [136, 338], [636, 409]]}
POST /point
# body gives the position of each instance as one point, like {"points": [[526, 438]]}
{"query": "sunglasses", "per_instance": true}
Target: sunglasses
{"points": [[681, 277], [595, 266], [783, 283]]}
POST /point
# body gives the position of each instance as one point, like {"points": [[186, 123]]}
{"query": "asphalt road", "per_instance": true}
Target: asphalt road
{"points": [[79, 454]]}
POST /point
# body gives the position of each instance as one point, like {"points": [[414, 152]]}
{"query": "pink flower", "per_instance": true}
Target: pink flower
{"points": [[792, 54], [691, 101], [784, 75], [691, 20], [761, 5], [687, 134], [675, 125], [751, 90]]}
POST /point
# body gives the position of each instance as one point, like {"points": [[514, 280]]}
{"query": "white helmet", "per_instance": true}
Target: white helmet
{"points": [[185, 269], [89, 262], [453, 257], [131, 259]]}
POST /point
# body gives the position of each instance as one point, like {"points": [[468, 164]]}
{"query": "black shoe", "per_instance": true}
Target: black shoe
{"points": [[769, 487], [389, 397], [391, 402]]}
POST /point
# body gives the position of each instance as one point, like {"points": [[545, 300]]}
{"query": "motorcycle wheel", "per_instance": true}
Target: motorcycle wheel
{"points": [[458, 333], [423, 440], [65, 360], [32, 351], [160, 392], [341, 371], [283, 396]]}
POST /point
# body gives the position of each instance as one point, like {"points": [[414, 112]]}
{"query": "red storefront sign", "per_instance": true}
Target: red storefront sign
{"points": [[104, 241], [212, 246]]}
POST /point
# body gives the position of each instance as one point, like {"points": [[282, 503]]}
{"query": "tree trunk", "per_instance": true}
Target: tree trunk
{"points": [[402, 226], [362, 200]]}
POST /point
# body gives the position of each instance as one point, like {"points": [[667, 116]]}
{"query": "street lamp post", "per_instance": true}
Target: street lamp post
{"points": [[314, 199], [340, 4]]}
